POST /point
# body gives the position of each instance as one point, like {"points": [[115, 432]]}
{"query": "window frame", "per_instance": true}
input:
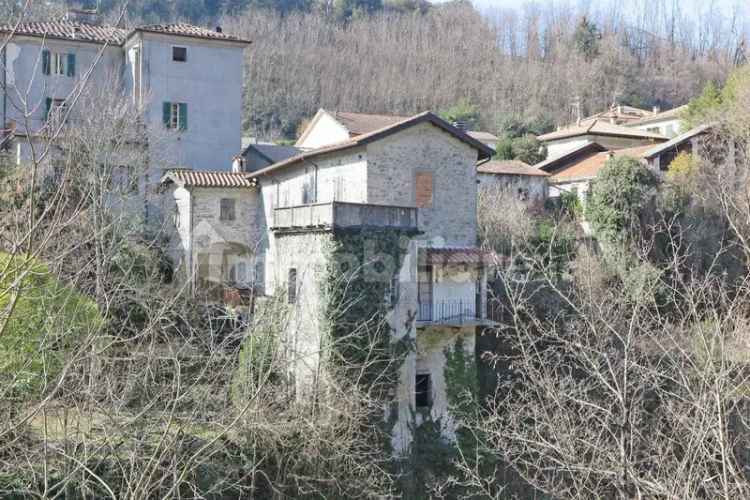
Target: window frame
{"points": [[227, 209], [423, 398], [176, 48], [291, 286]]}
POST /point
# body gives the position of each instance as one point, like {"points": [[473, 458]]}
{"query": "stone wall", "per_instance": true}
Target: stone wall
{"points": [[395, 161]]}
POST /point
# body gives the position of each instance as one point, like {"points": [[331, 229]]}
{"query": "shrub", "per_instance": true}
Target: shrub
{"points": [[621, 191], [46, 321]]}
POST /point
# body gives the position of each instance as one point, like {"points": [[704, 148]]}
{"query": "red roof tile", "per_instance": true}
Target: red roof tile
{"points": [[69, 31], [181, 29], [209, 179]]}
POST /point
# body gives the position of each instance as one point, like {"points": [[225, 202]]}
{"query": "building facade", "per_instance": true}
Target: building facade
{"points": [[398, 205]]}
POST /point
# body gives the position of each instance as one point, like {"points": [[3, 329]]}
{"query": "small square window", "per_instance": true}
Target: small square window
{"points": [[227, 212], [179, 54], [422, 391]]}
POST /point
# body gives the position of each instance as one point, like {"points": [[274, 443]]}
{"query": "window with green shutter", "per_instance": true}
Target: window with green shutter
{"points": [[183, 116], [45, 62], [167, 114], [71, 65], [47, 107]]}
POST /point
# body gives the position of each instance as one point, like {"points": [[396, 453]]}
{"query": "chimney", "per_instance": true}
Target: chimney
{"points": [[619, 110], [657, 110], [219, 30], [238, 164]]}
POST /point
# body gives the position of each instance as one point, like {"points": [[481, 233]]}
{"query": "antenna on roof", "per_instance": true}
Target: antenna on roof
{"points": [[577, 109]]}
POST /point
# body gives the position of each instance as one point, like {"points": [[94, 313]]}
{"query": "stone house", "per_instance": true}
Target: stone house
{"points": [[193, 116], [528, 183], [413, 184]]}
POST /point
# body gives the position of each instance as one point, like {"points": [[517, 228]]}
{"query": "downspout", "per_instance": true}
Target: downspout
{"points": [[190, 242]]}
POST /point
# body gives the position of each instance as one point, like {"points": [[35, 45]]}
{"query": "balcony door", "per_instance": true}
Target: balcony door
{"points": [[424, 292]]}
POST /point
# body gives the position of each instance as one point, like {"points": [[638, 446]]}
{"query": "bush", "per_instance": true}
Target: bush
{"points": [[47, 320], [617, 198]]}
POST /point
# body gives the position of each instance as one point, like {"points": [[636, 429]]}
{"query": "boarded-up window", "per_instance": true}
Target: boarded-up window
{"points": [[424, 190]]}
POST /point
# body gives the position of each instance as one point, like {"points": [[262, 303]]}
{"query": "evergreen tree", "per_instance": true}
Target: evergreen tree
{"points": [[587, 38]]}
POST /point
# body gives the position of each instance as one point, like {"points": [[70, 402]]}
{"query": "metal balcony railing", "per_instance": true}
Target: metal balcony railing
{"points": [[453, 312], [341, 215]]}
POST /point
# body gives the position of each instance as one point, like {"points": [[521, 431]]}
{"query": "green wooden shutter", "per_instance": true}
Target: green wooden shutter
{"points": [[45, 61], [47, 107], [71, 65], [183, 116], [167, 114]]}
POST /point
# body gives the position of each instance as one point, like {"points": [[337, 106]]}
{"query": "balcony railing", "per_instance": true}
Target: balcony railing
{"points": [[449, 312], [343, 215]]}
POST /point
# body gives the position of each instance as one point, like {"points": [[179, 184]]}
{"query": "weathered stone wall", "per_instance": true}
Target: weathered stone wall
{"points": [[395, 161], [536, 186]]}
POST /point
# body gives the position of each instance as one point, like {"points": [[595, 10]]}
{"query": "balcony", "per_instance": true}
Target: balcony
{"points": [[343, 215]]}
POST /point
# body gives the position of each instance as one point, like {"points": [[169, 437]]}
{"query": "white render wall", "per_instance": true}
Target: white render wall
{"points": [[28, 88], [210, 82], [668, 128], [324, 132]]}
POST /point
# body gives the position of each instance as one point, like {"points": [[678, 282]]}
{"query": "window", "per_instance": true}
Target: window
{"points": [[179, 54], [238, 274], [58, 63], [423, 186], [55, 110], [292, 286], [226, 209], [422, 390], [424, 293], [392, 293], [175, 115]]}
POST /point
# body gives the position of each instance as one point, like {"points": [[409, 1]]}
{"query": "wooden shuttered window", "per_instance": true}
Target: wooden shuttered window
{"points": [[227, 209], [183, 116], [167, 114], [175, 115], [47, 107], [71, 65], [46, 58]]}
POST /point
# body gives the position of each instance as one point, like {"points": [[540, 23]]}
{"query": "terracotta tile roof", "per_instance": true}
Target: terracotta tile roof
{"points": [[452, 255], [599, 127], [84, 32], [509, 167], [552, 164], [589, 167], [69, 31], [181, 29], [483, 150], [362, 123], [208, 178]]}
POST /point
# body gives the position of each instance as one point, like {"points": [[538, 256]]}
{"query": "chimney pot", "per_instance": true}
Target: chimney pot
{"points": [[238, 164], [657, 110], [219, 29]]}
